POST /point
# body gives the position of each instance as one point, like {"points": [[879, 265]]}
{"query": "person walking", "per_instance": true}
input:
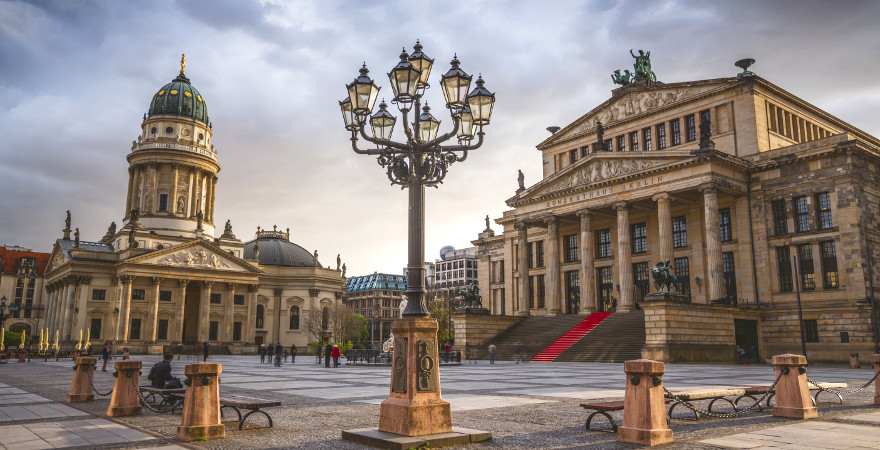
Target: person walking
{"points": [[447, 348], [262, 351], [105, 356], [492, 350], [279, 351], [335, 353], [327, 352], [292, 353], [205, 348], [125, 353]]}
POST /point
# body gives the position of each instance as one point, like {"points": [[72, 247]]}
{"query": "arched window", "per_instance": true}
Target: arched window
{"points": [[260, 315], [325, 318], [294, 317]]}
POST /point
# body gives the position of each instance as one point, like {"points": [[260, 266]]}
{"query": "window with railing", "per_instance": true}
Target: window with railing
{"points": [[605, 288], [661, 136], [261, 316], [830, 276], [679, 232], [690, 125], [603, 243], [531, 289], [639, 232], [805, 263], [95, 327], [571, 248], [783, 263], [621, 143], [724, 221], [641, 280], [729, 269], [646, 139], [539, 253], [780, 221], [539, 279], [682, 269], [634, 141], [802, 213], [572, 290], [823, 211], [675, 131]]}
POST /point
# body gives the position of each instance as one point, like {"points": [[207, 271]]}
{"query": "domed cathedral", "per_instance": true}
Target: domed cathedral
{"points": [[163, 278]]}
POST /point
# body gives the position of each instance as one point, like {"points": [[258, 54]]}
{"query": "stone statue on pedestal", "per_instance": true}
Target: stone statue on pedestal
{"points": [[338, 262], [76, 238], [521, 180], [66, 229]]}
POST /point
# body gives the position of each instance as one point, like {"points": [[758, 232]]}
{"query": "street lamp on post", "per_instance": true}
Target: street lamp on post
{"points": [[417, 161]]}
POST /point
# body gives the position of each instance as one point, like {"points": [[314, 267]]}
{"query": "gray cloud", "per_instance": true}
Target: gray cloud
{"points": [[77, 76]]}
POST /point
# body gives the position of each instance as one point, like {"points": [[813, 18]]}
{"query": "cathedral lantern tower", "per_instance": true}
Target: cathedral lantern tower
{"points": [[173, 166]]}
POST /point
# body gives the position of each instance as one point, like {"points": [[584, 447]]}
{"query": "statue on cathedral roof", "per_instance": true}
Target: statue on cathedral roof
{"points": [[642, 71], [521, 180]]}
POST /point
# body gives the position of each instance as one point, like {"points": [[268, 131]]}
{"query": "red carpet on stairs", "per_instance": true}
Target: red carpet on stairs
{"points": [[571, 337]]}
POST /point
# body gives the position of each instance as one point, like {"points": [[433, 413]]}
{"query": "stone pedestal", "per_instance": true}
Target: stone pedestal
{"points": [[81, 384], [792, 393], [876, 360], [124, 400], [644, 414], [200, 419]]}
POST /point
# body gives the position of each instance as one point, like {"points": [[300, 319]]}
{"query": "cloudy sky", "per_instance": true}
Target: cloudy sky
{"points": [[76, 77]]}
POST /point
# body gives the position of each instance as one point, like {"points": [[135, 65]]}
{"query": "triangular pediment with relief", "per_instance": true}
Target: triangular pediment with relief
{"points": [[196, 254], [56, 259], [631, 102]]}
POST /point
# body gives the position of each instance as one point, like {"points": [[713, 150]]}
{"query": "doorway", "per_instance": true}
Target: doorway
{"points": [[191, 313], [746, 340]]}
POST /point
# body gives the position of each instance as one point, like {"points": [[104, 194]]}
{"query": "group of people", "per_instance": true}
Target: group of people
{"points": [[276, 354]]}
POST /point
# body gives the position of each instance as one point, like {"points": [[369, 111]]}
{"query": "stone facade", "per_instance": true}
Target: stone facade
{"points": [[22, 286], [770, 178]]}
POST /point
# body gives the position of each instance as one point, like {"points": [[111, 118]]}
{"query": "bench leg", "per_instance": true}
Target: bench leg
{"points": [[243, 419], [607, 416], [234, 408], [820, 391], [712, 403], [748, 396], [679, 402]]}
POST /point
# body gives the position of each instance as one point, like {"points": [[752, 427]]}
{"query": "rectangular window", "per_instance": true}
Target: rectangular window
{"points": [[236, 331], [162, 330], [805, 263], [729, 268], [639, 232], [99, 294], [621, 143], [634, 141], [603, 243], [216, 298], [646, 139], [213, 330], [95, 329], [690, 125], [661, 136], [605, 288], [585, 150], [823, 211], [238, 299], [725, 224], [134, 333], [532, 292], [801, 214], [539, 253], [541, 291], [811, 330], [780, 221], [138, 294], [572, 290], [164, 296], [830, 278], [783, 262], [682, 269], [675, 130], [163, 202], [571, 248], [679, 232], [640, 280], [530, 254]]}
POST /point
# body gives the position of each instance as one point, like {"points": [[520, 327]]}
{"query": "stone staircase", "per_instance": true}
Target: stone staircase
{"points": [[571, 337], [618, 338], [528, 337]]}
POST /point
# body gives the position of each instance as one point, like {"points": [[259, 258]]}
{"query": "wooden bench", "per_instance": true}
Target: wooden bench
{"points": [[252, 404], [602, 408], [686, 396]]}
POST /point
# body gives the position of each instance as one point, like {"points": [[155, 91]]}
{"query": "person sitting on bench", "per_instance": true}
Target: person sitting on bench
{"points": [[160, 374]]}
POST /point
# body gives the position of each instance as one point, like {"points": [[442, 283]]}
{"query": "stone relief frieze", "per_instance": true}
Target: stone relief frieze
{"points": [[603, 169], [194, 258]]}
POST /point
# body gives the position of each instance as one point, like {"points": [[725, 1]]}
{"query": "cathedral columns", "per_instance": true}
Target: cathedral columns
{"points": [[128, 200], [69, 295], [522, 308], [191, 194], [181, 289], [250, 322], [624, 259], [715, 272], [125, 309], [588, 297], [81, 308], [228, 313], [551, 285], [664, 225], [154, 310], [205, 311], [276, 319]]}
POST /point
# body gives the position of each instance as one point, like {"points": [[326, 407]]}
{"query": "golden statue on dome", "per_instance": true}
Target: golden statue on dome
{"points": [[182, 64]]}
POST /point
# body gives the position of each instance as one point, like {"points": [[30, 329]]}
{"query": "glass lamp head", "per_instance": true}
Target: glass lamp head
{"points": [[363, 92], [455, 83], [382, 122], [466, 126], [404, 79], [481, 101], [423, 64], [428, 125]]}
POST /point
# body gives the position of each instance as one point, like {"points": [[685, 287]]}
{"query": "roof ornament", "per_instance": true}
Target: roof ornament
{"points": [[66, 229], [183, 64], [521, 180], [76, 238], [257, 250], [600, 138], [642, 72], [744, 64], [343, 270], [338, 262]]}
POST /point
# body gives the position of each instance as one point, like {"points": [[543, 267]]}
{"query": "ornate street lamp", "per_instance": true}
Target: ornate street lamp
{"points": [[419, 160]]}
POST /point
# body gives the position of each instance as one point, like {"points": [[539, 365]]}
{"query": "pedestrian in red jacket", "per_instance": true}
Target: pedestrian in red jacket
{"points": [[335, 354]]}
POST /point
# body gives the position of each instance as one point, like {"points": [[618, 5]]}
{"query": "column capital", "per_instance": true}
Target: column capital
{"points": [[126, 279], [620, 206], [230, 286], [520, 225], [252, 288], [586, 212], [182, 283], [208, 284], [155, 280], [660, 196], [551, 220], [708, 188]]}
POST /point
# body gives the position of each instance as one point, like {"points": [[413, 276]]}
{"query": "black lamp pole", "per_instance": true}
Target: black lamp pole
{"points": [[797, 291]]}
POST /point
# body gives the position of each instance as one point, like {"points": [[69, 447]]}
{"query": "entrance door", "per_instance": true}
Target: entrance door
{"points": [[605, 289], [191, 313], [746, 340]]}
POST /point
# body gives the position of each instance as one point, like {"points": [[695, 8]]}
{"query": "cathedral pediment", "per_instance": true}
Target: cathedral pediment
{"points": [[196, 254]]}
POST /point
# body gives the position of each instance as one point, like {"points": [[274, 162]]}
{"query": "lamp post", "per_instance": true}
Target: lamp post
{"points": [[417, 161]]}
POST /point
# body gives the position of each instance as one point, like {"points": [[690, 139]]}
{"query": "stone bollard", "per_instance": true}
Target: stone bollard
{"points": [[81, 384], [792, 392], [200, 420], [644, 412], [876, 358], [124, 400]]}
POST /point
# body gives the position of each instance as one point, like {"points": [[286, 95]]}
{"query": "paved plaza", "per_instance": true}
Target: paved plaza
{"points": [[526, 405]]}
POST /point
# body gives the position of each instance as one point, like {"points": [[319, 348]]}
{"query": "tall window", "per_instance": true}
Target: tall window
{"points": [[675, 130], [603, 243], [572, 156], [780, 222], [540, 288], [661, 136], [639, 232], [690, 125], [682, 269], [634, 141], [238, 299], [532, 292], [646, 139], [805, 261], [261, 316], [729, 268], [725, 224], [572, 290], [621, 143], [294, 317], [571, 248], [801, 214], [530, 254], [640, 280], [811, 330], [213, 330], [134, 332], [95, 329], [163, 202], [830, 278], [162, 330], [236, 331], [783, 261], [823, 211], [539, 253], [679, 232], [605, 288]]}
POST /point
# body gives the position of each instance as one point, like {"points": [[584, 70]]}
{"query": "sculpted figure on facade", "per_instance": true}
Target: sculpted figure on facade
{"points": [[521, 181]]}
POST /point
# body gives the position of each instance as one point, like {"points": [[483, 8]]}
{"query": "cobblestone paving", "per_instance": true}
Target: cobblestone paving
{"points": [[524, 406]]}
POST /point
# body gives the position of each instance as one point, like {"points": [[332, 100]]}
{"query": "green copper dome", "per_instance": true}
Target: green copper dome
{"points": [[179, 98]]}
